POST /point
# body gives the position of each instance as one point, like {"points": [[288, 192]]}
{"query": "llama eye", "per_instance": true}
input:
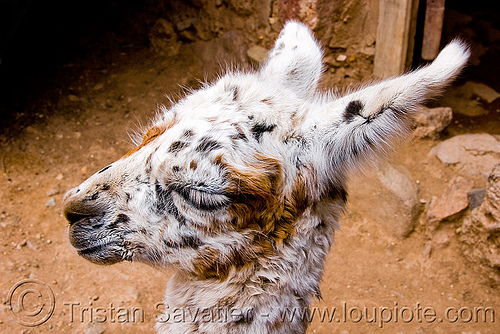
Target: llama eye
{"points": [[204, 200]]}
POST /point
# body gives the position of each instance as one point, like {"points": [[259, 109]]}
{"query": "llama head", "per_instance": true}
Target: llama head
{"points": [[235, 171]]}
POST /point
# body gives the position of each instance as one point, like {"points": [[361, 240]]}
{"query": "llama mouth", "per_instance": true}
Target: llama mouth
{"points": [[94, 249], [100, 250], [102, 253]]}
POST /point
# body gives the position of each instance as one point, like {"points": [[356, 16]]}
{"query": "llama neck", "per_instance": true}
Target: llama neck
{"points": [[252, 299]]}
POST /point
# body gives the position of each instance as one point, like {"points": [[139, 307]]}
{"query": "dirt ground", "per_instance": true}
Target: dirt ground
{"points": [[80, 121]]}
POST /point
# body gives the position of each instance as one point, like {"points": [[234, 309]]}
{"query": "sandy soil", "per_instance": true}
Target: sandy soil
{"points": [[84, 128]]}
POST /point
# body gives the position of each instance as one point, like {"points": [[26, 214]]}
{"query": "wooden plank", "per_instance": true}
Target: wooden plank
{"points": [[434, 14], [393, 36]]}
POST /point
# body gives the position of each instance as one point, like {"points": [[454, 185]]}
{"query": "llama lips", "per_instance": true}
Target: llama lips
{"points": [[93, 242], [104, 254], [104, 251]]}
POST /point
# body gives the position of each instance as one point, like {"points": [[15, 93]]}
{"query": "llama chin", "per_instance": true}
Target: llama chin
{"points": [[241, 184]]}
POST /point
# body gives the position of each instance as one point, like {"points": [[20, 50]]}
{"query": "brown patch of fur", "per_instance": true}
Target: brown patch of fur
{"points": [[214, 265], [193, 165], [267, 100], [261, 212], [152, 133]]}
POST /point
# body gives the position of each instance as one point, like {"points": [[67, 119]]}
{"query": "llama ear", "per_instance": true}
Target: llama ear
{"points": [[295, 60], [366, 122]]}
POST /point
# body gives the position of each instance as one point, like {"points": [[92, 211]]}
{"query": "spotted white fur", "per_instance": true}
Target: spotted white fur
{"points": [[240, 185]]}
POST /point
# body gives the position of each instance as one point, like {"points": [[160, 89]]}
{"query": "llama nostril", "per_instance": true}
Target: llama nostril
{"points": [[80, 220], [73, 217]]}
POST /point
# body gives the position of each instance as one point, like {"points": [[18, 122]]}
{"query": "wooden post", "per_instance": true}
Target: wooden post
{"points": [[395, 37], [433, 26]]}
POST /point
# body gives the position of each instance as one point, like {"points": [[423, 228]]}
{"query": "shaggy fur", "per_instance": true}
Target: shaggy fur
{"points": [[240, 186]]}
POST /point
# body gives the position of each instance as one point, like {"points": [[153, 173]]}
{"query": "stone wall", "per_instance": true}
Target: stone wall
{"points": [[345, 28]]}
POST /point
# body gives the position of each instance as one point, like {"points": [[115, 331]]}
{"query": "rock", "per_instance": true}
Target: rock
{"points": [[50, 202], [186, 30], [94, 328], [31, 130], [420, 330], [492, 196], [482, 91], [98, 86], [476, 197], [31, 245], [427, 250], [471, 108], [451, 204], [368, 50], [257, 54], [473, 154], [441, 238], [401, 202], [480, 230], [330, 61], [52, 192], [73, 98], [430, 122], [465, 99], [164, 39], [183, 25], [59, 176], [133, 295], [341, 58], [243, 8]]}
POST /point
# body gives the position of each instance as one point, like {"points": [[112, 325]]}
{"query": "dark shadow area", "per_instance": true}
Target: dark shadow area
{"points": [[46, 45], [478, 24]]}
